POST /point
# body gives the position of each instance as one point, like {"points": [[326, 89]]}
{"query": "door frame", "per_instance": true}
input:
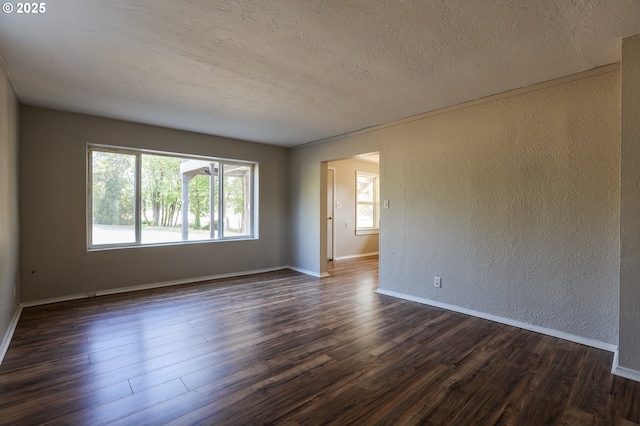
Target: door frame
{"points": [[331, 212]]}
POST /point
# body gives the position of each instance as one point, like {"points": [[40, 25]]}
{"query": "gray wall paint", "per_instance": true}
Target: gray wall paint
{"points": [[629, 356], [307, 198], [55, 261], [347, 243], [9, 209], [514, 203]]}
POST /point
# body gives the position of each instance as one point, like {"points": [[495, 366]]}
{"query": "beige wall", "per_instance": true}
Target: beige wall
{"points": [[514, 203], [9, 221], [630, 208], [55, 261], [347, 243]]}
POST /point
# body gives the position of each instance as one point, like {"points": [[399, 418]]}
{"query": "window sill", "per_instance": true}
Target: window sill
{"points": [[169, 243], [371, 231]]}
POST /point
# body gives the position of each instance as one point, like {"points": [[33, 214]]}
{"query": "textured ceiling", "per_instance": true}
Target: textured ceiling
{"points": [[287, 72]]}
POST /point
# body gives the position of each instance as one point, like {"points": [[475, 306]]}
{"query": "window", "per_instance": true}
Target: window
{"points": [[138, 198], [367, 203]]}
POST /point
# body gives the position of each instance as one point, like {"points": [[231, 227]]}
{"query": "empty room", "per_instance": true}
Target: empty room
{"points": [[359, 212]]}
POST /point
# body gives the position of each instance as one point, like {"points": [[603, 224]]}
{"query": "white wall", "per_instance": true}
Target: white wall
{"points": [[513, 202], [630, 208], [347, 243], [9, 209], [55, 261]]}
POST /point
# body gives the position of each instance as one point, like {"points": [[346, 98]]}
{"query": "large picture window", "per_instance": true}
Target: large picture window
{"points": [[138, 198]]}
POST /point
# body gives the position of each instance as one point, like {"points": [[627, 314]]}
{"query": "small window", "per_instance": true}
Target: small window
{"points": [[367, 203], [141, 198]]}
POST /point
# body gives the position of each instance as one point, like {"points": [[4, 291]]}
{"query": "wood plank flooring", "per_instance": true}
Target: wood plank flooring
{"points": [[286, 348]]}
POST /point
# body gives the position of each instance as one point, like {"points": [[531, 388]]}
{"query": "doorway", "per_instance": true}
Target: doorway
{"points": [[352, 207]]}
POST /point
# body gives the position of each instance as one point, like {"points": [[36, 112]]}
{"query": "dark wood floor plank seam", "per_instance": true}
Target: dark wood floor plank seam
{"points": [[285, 348]]}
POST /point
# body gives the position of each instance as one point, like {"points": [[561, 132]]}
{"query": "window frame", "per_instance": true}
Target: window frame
{"points": [[362, 230], [251, 203]]}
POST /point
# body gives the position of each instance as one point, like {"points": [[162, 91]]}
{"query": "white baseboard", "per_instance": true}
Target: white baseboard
{"points": [[507, 321], [185, 281], [9, 335], [627, 373], [57, 299], [6, 341], [148, 286], [308, 272], [354, 256]]}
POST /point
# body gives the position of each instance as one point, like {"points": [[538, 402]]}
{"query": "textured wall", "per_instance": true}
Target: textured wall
{"points": [[630, 207], [347, 243], [514, 203], [55, 261], [9, 222]]}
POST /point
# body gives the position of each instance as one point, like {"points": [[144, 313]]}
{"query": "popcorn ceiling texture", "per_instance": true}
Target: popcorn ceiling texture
{"points": [[289, 72]]}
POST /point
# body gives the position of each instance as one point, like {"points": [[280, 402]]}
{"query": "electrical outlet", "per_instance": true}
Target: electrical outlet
{"points": [[436, 282]]}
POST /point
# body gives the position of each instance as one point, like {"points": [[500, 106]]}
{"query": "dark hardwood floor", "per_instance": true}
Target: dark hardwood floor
{"points": [[285, 348]]}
